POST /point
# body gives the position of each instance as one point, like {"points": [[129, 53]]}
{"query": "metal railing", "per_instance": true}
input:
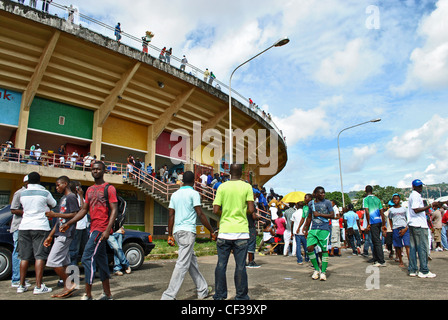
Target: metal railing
{"points": [[127, 171], [51, 159], [78, 18], [166, 190]]}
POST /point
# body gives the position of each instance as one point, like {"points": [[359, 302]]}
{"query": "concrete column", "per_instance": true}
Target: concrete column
{"points": [[149, 214], [97, 136], [22, 130]]}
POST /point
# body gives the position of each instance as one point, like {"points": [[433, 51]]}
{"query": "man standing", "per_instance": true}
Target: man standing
{"points": [[234, 201], [288, 234], [102, 220], [376, 224], [16, 210], [184, 209], [418, 231], [33, 230]]}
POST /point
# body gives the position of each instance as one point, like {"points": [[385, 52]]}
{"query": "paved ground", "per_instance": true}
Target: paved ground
{"points": [[279, 278]]}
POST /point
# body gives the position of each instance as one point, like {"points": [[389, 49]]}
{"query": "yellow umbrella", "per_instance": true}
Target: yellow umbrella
{"points": [[294, 197]]}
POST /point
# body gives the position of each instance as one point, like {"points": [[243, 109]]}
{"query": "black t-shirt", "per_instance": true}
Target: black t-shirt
{"points": [[68, 204]]}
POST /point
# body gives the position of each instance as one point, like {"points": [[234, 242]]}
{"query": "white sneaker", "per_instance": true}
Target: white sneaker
{"points": [[16, 284], [427, 275], [22, 289], [315, 275], [323, 277], [413, 274], [43, 289]]}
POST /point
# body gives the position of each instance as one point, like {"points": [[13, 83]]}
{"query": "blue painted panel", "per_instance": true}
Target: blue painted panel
{"points": [[10, 107]]}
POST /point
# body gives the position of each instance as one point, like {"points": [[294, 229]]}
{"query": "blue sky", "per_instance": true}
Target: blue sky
{"points": [[336, 72]]}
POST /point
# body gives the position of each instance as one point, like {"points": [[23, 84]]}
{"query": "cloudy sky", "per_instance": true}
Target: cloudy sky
{"points": [[349, 61]]}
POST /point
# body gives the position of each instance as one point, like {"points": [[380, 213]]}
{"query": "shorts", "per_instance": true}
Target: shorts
{"points": [[60, 252], [318, 237], [31, 245], [399, 241]]}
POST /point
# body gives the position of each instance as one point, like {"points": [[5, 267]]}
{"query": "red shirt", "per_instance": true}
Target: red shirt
{"points": [[99, 213]]}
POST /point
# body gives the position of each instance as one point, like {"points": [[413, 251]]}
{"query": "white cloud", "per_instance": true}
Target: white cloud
{"points": [[429, 139], [302, 124], [429, 64], [359, 158], [351, 66]]}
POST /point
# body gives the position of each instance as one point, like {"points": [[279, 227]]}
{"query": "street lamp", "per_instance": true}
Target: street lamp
{"points": [[339, 153], [279, 43]]}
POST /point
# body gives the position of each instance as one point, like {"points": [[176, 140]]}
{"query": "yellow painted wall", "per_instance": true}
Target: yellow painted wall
{"points": [[125, 133]]}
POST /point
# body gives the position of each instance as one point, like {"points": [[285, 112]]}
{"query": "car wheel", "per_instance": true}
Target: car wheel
{"points": [[134, 254], [5, 263]]}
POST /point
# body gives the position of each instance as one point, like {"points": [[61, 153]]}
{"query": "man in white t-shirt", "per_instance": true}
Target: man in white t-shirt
{"points": [[418, 228], [273, 210], [33, 230], [299, 236]]}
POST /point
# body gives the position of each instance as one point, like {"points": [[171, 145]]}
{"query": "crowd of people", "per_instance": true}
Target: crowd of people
{"points": [[321, 229], [314, 225], [82, 225]]}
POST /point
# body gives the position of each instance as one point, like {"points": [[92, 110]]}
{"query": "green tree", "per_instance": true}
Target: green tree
{"points": [[336, 196]]}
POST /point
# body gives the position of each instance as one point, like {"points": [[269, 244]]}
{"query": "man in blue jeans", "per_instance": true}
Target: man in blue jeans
{"points": [[234, 201], [418, 230], [115, 242], [16, 210], [101, 225]]}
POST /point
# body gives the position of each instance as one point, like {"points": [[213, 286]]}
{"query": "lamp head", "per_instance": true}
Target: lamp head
{"points": [[281, 42], [376, 120]]}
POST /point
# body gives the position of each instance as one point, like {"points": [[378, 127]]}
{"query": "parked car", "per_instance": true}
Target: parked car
{"points": [[136, 245]]}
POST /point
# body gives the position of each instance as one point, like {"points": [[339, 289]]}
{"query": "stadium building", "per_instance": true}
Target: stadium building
{"points": [[62, 84]]}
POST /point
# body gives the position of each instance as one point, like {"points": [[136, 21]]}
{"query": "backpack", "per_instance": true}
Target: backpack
{"points": [[121, 210]]}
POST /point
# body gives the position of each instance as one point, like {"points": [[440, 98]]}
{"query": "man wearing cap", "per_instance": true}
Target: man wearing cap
{"points": [[418, 230]]}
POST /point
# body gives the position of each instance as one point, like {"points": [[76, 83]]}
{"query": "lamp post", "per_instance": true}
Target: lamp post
{"points": [[279, 43], [339, 153]]}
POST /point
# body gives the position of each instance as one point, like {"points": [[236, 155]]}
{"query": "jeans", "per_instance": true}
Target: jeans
{"points": [[115, 241], [15, 259], [78, 244], [95, 254], [377, 252], [418, 246], [352, 238], [186, 262], [301, 241], [239, 248], [368, 243], [444, 238]]}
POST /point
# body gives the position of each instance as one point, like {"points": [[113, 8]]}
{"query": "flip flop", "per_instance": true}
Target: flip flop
{"points": [[65, 294]]}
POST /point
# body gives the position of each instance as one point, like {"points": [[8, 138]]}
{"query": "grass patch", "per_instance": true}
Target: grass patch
{"points": [[202, 247]]}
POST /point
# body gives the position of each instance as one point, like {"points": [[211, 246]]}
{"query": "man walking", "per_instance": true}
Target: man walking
{"points": [[376, 224], [234, 201], [418, 231], [102, 220], [184, 209]]}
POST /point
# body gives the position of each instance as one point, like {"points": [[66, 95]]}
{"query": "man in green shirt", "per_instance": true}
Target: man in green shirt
{"points": [[234, 201]]}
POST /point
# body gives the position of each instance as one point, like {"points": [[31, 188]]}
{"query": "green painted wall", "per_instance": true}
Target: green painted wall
{"points": [[44, 115]]}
